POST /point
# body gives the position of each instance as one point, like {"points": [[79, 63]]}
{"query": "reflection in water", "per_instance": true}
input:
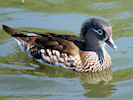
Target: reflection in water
{"points": [[89, 78], [100, 90], [96, 84]]}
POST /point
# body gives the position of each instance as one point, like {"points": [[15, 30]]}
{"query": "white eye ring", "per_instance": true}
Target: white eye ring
{"points": [[99, 31]]}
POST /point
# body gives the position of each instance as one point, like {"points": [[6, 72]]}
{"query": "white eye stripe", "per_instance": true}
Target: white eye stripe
{"points": [[99, 31], [106, 37]]}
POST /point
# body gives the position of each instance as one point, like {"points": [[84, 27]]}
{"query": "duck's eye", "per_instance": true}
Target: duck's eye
{"points": [[100, 32]]}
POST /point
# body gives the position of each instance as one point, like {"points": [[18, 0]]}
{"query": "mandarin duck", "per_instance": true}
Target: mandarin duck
{"points": [[86, 53]]}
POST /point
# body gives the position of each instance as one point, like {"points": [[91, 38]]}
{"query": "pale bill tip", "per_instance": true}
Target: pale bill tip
{"points": [[115, 47]]}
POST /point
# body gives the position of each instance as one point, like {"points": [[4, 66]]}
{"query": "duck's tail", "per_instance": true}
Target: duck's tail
{"points": [[14, 33], [24, 41]]}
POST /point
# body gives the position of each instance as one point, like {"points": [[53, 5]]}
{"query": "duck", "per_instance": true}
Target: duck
{"points": [[86, 53]]}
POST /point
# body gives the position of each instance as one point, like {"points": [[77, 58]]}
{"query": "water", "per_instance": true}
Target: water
{"points": [[21, 78]]}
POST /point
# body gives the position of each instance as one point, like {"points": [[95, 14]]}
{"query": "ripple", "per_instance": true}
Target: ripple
{"points": [[123, 15], [105, 5]]}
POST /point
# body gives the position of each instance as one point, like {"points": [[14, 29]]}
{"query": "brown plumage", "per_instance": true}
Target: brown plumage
{"points": [[86, 54]]}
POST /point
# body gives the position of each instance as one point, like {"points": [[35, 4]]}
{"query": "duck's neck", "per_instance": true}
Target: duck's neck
{"points": [[96, 48], [92, 46]]}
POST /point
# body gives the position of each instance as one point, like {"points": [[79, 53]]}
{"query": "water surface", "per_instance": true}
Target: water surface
{"points": [[21, 78]]}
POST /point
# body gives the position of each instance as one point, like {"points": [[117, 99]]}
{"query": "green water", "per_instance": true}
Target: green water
{"points": [[21, 78]]}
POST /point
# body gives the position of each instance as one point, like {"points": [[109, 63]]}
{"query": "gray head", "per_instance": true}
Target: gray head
{"points": [[96, 32]]}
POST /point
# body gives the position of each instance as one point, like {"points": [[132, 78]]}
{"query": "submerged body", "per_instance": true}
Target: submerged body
{"points": [[86, 54]]}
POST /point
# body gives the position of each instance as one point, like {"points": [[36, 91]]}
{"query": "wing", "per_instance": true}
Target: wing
{"points": [[55, 49], [66, 37]]}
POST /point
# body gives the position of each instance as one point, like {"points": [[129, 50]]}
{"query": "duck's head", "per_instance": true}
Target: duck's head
{"points": [[96, 32]]}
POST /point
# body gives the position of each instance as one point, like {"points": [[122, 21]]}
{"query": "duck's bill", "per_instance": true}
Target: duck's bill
{"points": [[110, 42]]}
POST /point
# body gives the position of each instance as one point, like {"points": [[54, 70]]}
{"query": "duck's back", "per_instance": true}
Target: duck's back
{"points": [[57, 50]]}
